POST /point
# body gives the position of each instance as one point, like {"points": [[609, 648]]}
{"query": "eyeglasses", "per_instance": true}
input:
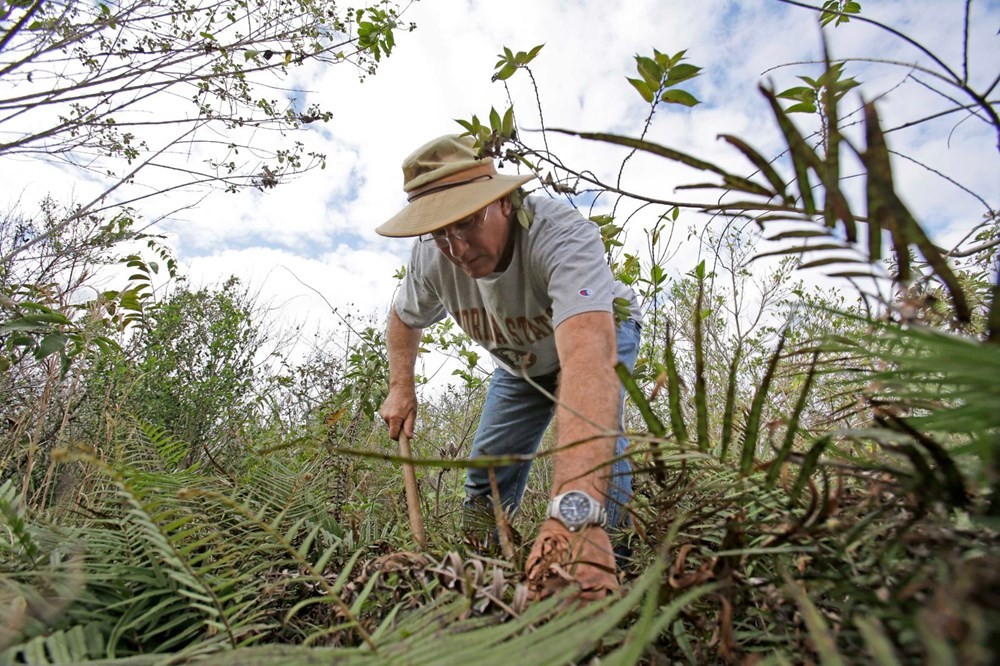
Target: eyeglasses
{"points": [[461, 230]]}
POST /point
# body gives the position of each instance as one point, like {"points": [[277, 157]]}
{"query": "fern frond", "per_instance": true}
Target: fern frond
{"points": [[170, 450], [79, 644], [22, 544]]}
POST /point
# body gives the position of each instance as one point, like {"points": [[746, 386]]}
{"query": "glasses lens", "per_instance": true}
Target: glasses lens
{"points": [[462, 229]]}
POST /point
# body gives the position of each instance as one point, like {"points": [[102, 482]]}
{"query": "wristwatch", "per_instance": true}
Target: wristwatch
{"points": [[576, 509]]}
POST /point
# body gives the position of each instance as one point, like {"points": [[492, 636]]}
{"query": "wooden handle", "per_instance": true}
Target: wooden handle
{"points": [[412, 494]]}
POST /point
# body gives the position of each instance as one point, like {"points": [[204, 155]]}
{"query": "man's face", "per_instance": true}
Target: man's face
{"points": [[478, 243]]}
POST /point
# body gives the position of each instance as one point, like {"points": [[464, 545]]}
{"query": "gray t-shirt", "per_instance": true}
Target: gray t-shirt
{"points": [[558, 270]]}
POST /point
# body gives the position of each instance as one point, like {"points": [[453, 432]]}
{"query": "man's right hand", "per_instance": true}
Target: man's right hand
{"points": [[561, 558], [399, 411]]}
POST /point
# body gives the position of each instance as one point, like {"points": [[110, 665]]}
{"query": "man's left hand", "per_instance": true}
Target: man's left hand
{"points": [[561, 559]]}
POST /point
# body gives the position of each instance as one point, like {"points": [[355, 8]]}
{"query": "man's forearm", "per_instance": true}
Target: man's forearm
{"points": [[402, 342], [399, 411], [588, 404]]}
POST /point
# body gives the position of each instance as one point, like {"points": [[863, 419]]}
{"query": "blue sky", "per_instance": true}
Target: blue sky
{"points": [[442, 71], [319, 230]]}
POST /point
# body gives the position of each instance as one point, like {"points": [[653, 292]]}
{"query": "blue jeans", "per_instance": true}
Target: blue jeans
{"points": [[514, 419]]}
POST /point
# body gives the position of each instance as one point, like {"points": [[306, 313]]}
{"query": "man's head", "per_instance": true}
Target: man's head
{"points": [[458, 202]]}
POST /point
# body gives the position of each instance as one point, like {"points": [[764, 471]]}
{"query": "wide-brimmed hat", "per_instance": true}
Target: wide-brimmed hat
{"points": [[444, 182]]}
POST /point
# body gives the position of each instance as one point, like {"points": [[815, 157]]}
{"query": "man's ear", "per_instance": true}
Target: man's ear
{"points": [[506, 206]]}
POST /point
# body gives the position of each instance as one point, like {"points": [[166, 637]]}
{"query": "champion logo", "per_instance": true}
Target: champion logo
{"points": [[585, 292]]}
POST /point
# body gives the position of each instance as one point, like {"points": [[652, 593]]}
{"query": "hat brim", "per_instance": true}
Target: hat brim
{"points": [[439, 209]]}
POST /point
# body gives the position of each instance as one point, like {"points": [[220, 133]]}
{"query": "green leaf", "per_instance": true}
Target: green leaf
{"points": [[891, 213], [682, 72], [648, 416], [467, 125], [508, 123], [803, 156], [730, 407], [741, 184], [700, 387], [792, 428], [822, 638], [802, 107], [674, 391], [21, 324], [646, 146], [798, 233], [50, 344], [800, 93], [649, 70], [679, 97], [762, 164], [828, 261], [505, 72], [643, 89], [801, 249], [34, 322], [878, 644], [753, 427], [853, 274]]}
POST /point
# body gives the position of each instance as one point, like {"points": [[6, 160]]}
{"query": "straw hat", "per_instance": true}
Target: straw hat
{"points": [[444, 182]]}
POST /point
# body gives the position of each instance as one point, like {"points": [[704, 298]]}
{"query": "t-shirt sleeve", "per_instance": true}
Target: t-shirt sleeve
{"points": [[416, 303], [572, 258]]}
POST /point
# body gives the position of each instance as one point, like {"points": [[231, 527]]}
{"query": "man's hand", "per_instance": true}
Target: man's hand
{"points": [[399, 411], [561, 558]]}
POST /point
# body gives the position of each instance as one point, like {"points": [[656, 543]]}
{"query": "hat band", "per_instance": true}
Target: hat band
{"points": [[476, 173]]}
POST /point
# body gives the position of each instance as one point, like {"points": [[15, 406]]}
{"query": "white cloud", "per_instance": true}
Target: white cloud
{"points": [[321, 226]]}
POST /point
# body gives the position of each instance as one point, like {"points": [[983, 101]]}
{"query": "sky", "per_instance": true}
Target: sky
{"points": [[309, 246]]}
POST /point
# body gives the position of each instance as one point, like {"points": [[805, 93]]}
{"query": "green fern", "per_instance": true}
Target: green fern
{"points": [[77, 645], [170, 449], [22, 543]]}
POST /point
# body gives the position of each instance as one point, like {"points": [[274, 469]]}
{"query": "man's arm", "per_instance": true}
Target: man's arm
{"points": [[588, 403], [399, 410], [588, 408]]}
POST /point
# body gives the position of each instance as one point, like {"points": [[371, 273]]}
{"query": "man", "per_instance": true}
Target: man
{"points": [[540, 300]]}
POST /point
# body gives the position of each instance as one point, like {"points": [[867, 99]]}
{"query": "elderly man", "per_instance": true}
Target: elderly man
{"points": [[541, 300]]}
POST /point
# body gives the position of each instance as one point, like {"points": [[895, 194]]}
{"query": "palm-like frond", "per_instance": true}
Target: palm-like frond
{"points": [[936, 396], [551, 632], [172, 558], [201, 581]]}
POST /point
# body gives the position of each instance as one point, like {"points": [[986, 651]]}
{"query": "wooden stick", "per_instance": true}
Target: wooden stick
{"points": [[412, 494]]}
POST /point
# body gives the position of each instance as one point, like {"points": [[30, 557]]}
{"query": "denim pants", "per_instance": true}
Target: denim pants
{"points": [[514, 419]]}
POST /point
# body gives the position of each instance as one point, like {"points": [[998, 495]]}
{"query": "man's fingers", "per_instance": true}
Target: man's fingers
{"points": [[563, 559], [394, 427], [400, 426], [399, 415]]}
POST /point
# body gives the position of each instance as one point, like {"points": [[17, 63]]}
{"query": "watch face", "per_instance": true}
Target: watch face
{"points": [[574, 507]]}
